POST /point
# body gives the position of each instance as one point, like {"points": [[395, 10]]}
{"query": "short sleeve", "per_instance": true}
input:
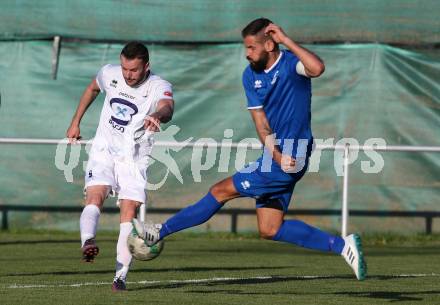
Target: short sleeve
{"points": [[291, 61], [101, 78], [163, 91], [253, 100]]}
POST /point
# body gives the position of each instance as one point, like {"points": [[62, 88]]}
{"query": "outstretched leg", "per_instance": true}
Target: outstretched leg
{"points": [[195, 214]]}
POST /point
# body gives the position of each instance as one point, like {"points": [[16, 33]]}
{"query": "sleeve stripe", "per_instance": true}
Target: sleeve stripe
{"points": [[300, 69], [255, 107]]}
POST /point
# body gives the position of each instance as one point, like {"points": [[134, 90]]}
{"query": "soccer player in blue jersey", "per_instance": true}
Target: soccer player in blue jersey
{"points": [[278, 89]]}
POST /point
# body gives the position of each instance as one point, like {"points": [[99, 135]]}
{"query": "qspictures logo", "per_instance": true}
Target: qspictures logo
{"points": [[209, 154]]}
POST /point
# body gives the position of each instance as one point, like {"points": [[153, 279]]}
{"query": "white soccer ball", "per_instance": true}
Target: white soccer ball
{"points": [[139, 249]]}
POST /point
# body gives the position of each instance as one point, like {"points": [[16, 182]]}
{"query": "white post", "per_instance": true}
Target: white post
{"points": [[142, 212], [55, 55], [345, 192]]}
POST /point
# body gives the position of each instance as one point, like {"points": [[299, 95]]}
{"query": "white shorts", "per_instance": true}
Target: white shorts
{"points": [[128, 179]]}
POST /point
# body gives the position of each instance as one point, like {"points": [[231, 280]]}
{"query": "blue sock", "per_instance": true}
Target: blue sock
{"points": [[191, 216], [301, 234]]}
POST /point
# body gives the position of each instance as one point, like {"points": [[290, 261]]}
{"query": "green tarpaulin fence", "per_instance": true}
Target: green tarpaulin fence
{"points": [[392, 21], [368, 91]]}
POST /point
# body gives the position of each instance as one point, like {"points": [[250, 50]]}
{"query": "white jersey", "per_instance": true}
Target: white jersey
{"points": [[121, 125]]}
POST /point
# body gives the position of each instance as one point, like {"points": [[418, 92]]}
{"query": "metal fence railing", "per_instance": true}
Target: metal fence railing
{"points": [[234, 214], [344, 212]]}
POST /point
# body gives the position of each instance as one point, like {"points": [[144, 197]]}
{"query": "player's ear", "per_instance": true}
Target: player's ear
{"points": [[269, 45], [147, 66]]}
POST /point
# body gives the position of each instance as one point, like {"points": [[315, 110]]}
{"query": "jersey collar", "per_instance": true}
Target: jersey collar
{"points": [[147, 76], [275, 63]]}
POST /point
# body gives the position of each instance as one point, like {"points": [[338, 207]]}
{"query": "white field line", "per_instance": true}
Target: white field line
{"points": [[209, 280]]}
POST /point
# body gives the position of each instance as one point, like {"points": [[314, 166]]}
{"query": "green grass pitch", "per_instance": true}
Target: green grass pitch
{"points": [[45, 268]]}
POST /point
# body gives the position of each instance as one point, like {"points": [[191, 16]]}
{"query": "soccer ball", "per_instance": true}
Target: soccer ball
{"points": [[139, 249]]}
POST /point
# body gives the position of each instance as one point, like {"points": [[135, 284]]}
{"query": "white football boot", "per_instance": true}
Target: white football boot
{"points": [[152, 233], [149, 232], [354, 256]]}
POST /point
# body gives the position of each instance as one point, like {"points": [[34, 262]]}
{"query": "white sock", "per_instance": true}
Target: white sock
{"points": [[123, 256], [88, 222]]}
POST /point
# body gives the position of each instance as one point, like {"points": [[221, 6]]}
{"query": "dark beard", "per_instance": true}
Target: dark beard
{"points": [[259, 65]]}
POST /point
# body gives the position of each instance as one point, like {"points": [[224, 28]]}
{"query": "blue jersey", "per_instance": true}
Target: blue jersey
{"points": [[285, 97]]}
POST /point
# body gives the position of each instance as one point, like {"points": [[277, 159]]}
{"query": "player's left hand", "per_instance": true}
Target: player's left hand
{"points": [[276, 33], [288, 164], [152, 122]]}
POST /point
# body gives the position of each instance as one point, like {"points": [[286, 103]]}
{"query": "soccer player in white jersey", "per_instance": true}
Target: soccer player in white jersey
{"points": [[136, 102]]}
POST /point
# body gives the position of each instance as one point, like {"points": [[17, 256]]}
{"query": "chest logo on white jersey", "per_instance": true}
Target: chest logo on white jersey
{"points": [[123, 111]]}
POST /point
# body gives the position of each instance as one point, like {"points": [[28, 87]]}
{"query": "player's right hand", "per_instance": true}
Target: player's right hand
{"points": [[152, 122], [276, 33], [73, 133]]}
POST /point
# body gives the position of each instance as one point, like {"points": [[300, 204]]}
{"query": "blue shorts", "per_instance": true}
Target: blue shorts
{"points": [[268, 184]]}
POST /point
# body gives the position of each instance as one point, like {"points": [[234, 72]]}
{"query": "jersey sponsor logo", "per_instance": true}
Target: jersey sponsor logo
{"points": [[126, 95], [114, 83], [258, 84], [116, 126], [123, 111], [168, 93]]}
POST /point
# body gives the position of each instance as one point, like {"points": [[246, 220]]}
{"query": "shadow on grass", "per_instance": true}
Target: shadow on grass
{"points": [[161, 270], [33, 242], [47, 241], [391, 296], [238, 281]]}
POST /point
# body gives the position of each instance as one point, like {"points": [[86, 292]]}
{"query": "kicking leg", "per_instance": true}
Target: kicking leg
{"points": [[195, 214]]}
